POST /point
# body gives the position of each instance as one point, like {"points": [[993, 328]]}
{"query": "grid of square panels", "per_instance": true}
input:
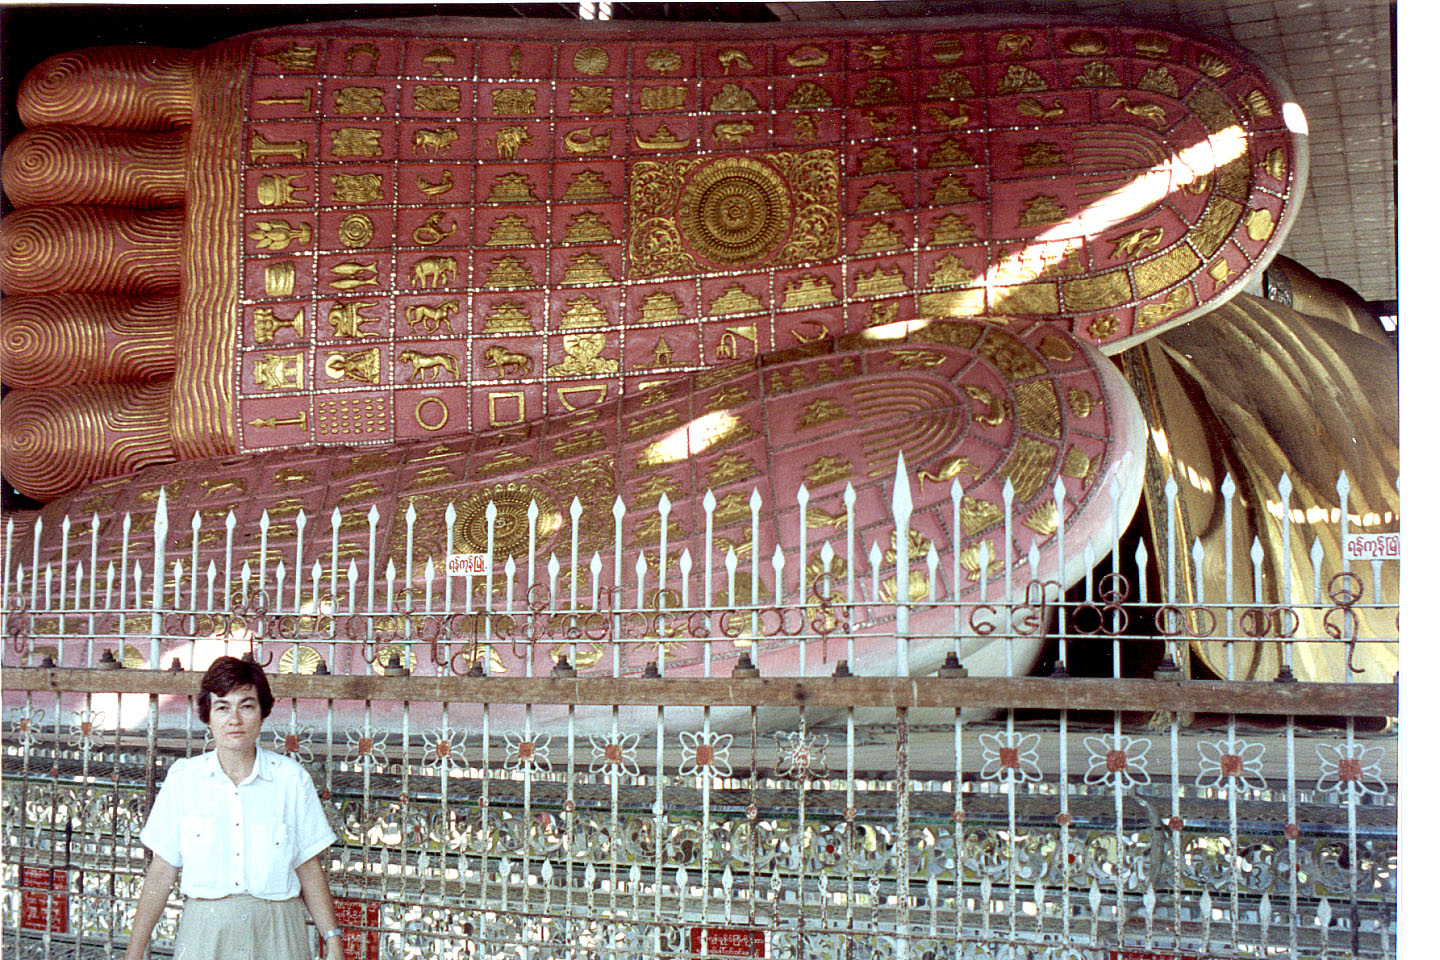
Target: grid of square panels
{"points": [[443, 235]]}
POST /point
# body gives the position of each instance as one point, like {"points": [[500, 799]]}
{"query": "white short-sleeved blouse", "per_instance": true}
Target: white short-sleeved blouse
{"points": [[230, 838]]}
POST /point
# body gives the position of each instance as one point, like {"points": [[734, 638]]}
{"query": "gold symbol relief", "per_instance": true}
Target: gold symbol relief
{"points": [[1077, 465], [438, 58], [1220, 271], [435, 188], [434, 141], [733, 133], [294, 57], [356, 230], [431, 419], [432, 231], [1259, 224], [1041, 153], [1165, 270], [950, 272], [509, 140], [807, 56], [1037, 409], [348, 322], [1275, 164], [1102, 327], [261, 147], [1031, 107], [949, 153], [511, 231], [651, 424], [278, 234], [582, 357], [580, 443], [952, 189], [662, 139], [950, 121], [1257, 105], [508, 271], [1020, 79], [591, 100], [438, 98], [734, 211], [877, 53], [662, 98], [805, 128], [880, 237], [1152, 112], [949, 470], [1044, 519], [588, 227], [280, 278], [809, 331], [423, 365], [511, 188], [730, 395], [879, 89], [279, 371], [359, 365], [507, 362], [1085, 43], [1153, 313], [354, 54], [879, 159], [277, 189], [1137, 242], [734, 59], [1212, 66], [823, 410], [506, 407], [583, 311], [1215, 225], [266, 324], [1053, 348], [950, 85], [513, 102], [299, 420], [662, 356], [507, 316], [733, 98], [660, 307], [1097, 73], [1014, 44], [585, 140], [1041, 209], [352, 274], [663, 61], [953, 228], [882, 196], [730, 467], [811, 290], [353, 100], [1159, 80], [586, 268], [995, 407], [355, 188], [828, 469], [808, 95], [734, 299], [729, 346], [879, 282], [1028, 467], [432, 272], [590, 61], [356, 142], [432, 317], [1082, 402]]}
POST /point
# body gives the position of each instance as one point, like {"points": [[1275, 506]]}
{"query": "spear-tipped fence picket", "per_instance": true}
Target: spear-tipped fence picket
{"points": [[493, 801]]}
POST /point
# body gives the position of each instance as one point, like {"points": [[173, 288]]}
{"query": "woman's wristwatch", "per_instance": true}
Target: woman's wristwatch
{"points": [[337, 932]]}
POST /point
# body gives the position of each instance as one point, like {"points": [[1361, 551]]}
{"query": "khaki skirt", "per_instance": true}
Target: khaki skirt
{"points": [[243, 927]]}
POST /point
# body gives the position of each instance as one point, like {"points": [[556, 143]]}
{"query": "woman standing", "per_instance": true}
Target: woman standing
{"points": [[243, 830]]}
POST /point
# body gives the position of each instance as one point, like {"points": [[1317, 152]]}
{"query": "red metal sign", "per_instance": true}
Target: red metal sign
{"points": [[360, 919], [1151, 955], [44, 911], [727, 942]]}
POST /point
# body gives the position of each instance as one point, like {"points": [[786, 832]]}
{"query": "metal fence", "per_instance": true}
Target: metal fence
{"points": [[650, 755]]}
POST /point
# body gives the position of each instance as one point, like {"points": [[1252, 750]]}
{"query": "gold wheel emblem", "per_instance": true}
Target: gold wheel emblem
{"points": [[735, 211], [512, 522]]}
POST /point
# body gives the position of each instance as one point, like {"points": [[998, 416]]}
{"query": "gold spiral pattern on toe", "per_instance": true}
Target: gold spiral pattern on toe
{"points": [[57, 339], [90, 249], [77, 165], [128, 88], [58, 439]]}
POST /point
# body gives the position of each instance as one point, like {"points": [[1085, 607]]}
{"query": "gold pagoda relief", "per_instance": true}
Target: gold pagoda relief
{"points": [[507, 316], [769, 208], [512, 188], [583, 311], [661, 306], [511, 231], [734, 299]]}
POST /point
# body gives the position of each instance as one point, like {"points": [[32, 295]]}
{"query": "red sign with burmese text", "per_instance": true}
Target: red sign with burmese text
{"points": [[44, 911], [727, 942]]}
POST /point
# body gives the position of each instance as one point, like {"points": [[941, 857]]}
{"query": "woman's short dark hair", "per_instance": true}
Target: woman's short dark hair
{"points": [[227, 673]]}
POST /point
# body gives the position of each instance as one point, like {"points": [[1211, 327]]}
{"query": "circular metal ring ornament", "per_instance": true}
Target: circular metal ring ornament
{"points": [[735, 211]]}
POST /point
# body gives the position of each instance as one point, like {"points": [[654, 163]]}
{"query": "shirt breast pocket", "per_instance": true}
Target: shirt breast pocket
{"points": [[271, 855], [199, 840]]}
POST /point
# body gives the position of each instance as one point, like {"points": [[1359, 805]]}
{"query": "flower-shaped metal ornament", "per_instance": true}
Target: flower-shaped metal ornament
{"points": [[617, 755], [1119, 760], [1351, 763], [527, 752], [1237, 759], [1011, 757], [705, 753], [445, 747]]}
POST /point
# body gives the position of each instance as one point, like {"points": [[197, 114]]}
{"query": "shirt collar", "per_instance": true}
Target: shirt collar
{"points": [[263, 769]]}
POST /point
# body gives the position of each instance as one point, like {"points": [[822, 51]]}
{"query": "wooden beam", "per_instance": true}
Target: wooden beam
{"points": [[1044, 693]]}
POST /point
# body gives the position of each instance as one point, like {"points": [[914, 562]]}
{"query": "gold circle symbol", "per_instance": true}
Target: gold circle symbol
{"points": [[591, 60], [735, 211], [444, 413], [512, 501]]}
